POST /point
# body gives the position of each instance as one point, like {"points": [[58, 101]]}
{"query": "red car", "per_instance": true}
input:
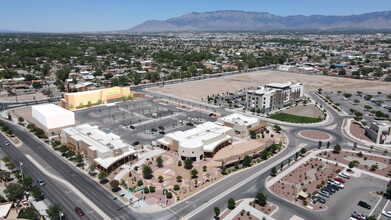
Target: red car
{"points": [[339, 180], [79, 211]]}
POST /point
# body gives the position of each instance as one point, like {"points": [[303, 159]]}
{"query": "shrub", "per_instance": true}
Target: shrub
{"points": [[152, 189], [169, 195], [176, 187]]}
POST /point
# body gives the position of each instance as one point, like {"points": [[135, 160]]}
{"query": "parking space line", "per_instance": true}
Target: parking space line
{"points": [[383, 209], [374, 208]]}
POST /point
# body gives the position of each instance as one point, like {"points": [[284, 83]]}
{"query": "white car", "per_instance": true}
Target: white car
{"points": [[340, 185], [346, 176], [386, 213]]}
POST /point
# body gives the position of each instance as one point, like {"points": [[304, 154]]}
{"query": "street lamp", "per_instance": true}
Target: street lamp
{"points": [[20, 167], [165, 194]]}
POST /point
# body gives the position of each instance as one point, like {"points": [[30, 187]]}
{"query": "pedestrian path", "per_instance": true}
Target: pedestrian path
{"points": [[126, 167], [244, 205]]}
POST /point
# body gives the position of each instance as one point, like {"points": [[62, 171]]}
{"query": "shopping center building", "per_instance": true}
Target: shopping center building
{"points": [[76, 100], [242, 124], [106, 150], [206, 138]]}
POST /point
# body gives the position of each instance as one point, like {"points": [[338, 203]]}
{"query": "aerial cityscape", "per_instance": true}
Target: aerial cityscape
{"points": [[276, 110]]}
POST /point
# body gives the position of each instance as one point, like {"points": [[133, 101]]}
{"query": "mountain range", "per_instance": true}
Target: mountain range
{"points": [[229, 20]]}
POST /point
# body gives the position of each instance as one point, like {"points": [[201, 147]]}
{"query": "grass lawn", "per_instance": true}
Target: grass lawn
{"points": [[294, 118]]}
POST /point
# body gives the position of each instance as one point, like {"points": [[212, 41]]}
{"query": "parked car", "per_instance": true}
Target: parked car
{"points": [[324, 193], [189, 124], [364, 205], [162, 132], [329, 189], [358, 215], [344, 175], [6, 143], [79, 211], [339, 180], [386, 213], [131, 127], [335, 187], [161, 127], [136, 143], [153, 129], [340, 185], [318, 199], [40, 182]]}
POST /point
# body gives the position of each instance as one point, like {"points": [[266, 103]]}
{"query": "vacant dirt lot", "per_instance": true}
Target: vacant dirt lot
{"points": [[201, 89]]}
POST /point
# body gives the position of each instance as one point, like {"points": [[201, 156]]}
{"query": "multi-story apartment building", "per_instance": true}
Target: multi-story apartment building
{"points": [[273, 96]]}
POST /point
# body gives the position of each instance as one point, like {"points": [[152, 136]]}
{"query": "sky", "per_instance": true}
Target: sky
{"points": [[107, 15]]}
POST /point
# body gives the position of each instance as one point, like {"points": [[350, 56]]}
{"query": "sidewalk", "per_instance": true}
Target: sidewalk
{"points": [[245, 206], [346, 131]]}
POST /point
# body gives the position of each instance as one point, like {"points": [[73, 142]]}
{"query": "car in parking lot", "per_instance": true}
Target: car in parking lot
{"points": [[340, 185], [358, 215], [189, 124], [161, 127], [386, 213], [79, 211], [318, 199], [136, 143], [344, 175], [162, 132], [153, 129], [131, 127], [339, 180], [324, 193], [335, 187], [6, 143], [40, 182], [364, 205], [329, 190]]}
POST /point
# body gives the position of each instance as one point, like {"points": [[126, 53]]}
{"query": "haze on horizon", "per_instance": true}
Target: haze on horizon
{"points": [[102, 15]]}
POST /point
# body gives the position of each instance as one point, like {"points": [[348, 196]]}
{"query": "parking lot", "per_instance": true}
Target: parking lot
{"points": [[139, 120], [342, 203], [363, 104]]}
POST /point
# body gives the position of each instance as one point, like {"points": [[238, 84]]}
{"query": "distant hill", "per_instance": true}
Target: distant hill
{"points": [[262, 21]]}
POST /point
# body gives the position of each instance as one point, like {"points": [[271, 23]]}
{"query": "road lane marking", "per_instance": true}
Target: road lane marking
{"points": [[74, 189], [375, 206]]}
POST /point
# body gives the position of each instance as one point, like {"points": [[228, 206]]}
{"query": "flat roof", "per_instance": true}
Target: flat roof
{"points": [[240, 119], [279, 85], [263, 90], [195, 137], [97, 139], [51, 110], [5, 208]]}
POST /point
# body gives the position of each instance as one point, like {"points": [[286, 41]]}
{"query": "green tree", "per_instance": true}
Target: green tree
{"points": [[387, 194], [351, 164], [159, 161], [114, 184], [231, 203], [54, 211], [36, 192], [247, 161], [147, 172], [261, 198], [217, 211], [303, 150], [277, 128], [194, 173], [79, 158], [29, 213], [274, 171], [14, 191], [188, 163], [160, 178], [27, 182], [320, 144], [253, 134], [11, 166], [102, 176], [337, 148]]}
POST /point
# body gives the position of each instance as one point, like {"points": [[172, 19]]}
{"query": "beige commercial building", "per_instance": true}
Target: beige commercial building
{"points": [[106, 150], [242, 124], [76, 100]]}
